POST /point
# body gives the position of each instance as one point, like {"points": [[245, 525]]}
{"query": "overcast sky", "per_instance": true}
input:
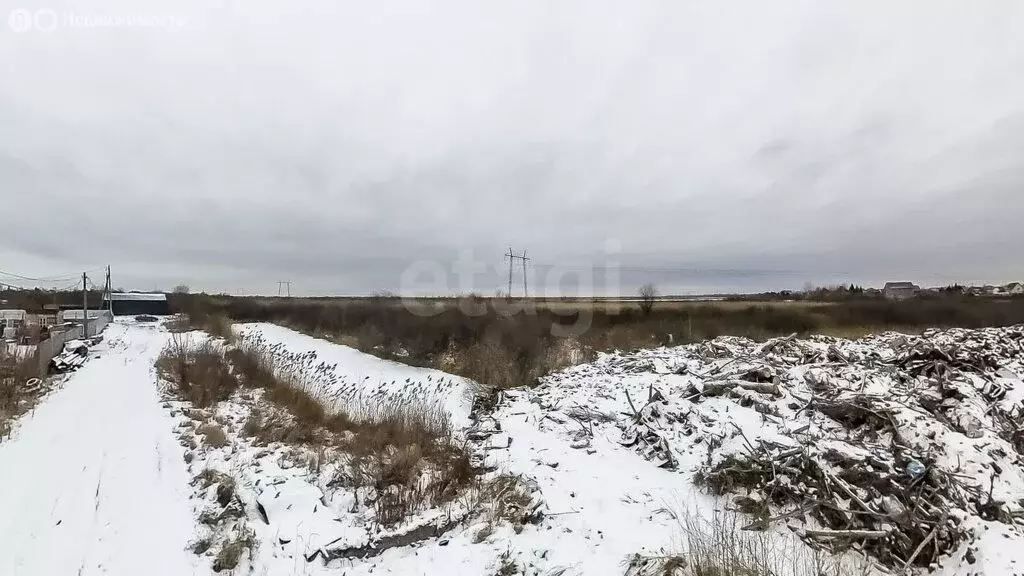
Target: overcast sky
{"points": [[353, 146]]}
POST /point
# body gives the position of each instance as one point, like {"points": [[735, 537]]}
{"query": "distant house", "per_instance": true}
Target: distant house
{"points": [[10, 322], [134, 303], [1014, 289], [13, 316], [75, 315], [900, 290]]}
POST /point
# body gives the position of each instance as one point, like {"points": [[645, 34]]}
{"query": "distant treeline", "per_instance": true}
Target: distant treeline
{"points": [[36, 301], [505, 349]]}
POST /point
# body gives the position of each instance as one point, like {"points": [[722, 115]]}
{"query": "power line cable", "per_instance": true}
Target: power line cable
{"points": [[48, 279]]}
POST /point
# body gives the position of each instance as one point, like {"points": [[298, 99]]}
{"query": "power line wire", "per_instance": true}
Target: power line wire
{"points": [[48, 279]]}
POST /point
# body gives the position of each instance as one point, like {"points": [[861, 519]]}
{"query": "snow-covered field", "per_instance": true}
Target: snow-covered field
{"points": [[611, 452]]}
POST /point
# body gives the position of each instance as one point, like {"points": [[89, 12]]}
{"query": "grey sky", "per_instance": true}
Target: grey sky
{"points": [[748, 144]]}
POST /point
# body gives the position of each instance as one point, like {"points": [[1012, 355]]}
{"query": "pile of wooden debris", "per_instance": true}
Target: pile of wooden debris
{"points": [[905, 448], [74, 355]]}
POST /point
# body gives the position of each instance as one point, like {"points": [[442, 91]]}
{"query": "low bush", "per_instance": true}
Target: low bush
{"points": [[217, 325], [510, 499], [213, 434], [233, 548], [196, 370], [16, 396]]}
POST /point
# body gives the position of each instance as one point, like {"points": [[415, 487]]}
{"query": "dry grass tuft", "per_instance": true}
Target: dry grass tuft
{"points": [[718, 546], [231, 551], [213, 434], [16, 396], [178, 324], [200, 546], [210, 477], [409, 459], [506, 565], [220, 326], [217, 325], [510, 499], [196, 370]]}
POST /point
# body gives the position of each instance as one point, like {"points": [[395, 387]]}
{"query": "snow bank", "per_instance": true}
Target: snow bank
{"points": [[349, 378]]}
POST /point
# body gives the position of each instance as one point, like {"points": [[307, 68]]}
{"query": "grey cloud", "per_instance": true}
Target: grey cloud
{"points": [[335, 144]]}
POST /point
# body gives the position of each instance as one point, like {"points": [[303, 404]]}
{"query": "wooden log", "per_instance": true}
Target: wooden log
{"points": [[847, 533], [720, 387]]}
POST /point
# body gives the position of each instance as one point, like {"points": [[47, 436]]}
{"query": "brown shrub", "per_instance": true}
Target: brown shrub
{"points": [[197, 371], [253, 423], [232, 549], [178, 324], [16, 397], [405, 452], [510, 499], [209, 477], [220, 326], [214, 435]]}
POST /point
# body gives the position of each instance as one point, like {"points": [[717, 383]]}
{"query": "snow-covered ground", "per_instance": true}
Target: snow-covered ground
{"points": [[610, 449], [888, 417], [602, 502], [93, 481]]}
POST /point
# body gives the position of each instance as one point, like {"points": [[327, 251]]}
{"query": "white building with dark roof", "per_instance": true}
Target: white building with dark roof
{"points": [[135, 303], [900, 290]]}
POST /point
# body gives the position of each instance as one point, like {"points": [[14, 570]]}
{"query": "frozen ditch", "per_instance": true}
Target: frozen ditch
{"points": [[540, 507], [345, 377]]}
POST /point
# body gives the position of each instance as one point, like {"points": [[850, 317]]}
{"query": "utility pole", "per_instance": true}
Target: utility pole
{"points": [[110, 297], [85, 308], [526, 293], [283, 283], [510, 257]]}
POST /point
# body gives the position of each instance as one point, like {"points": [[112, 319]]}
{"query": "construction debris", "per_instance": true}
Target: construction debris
{"points": [[906, 448], [74, 355]]}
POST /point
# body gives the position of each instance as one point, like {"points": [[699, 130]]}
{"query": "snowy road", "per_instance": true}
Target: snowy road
{"points": [[94, 482]]}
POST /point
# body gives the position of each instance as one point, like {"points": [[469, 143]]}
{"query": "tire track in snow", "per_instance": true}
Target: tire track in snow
{"points": [[97, 495], [80, 492]]}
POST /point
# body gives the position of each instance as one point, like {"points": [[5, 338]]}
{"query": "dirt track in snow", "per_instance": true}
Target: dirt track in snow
{"points": [[94, 482]]}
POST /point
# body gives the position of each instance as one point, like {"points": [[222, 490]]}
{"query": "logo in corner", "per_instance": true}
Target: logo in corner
{"points": [[20, 20]]}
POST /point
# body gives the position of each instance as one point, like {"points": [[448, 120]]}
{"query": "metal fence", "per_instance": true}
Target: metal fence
{"points": [[54, 345]]}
